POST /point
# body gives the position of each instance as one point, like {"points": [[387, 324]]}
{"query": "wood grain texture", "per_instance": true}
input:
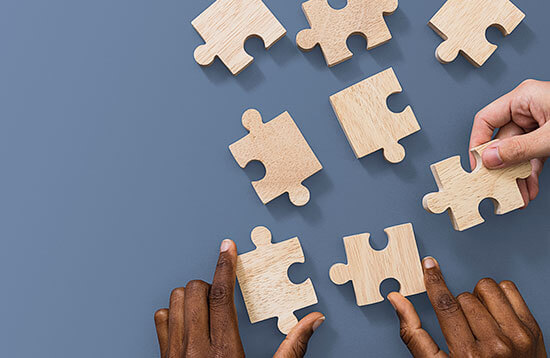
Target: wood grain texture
{"points": [[284, 152], [330, 28], [266, 289], [463, 23], [227, 24], [460, 192], [367, 268], [366, 120]]}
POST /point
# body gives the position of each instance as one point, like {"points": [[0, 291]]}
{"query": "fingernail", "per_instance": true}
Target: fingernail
{"points": [[317, 323], [491, 157], [226, 244], [428, 263]]}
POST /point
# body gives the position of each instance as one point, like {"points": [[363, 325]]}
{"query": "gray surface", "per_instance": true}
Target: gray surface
{"points": [[117, 184]]}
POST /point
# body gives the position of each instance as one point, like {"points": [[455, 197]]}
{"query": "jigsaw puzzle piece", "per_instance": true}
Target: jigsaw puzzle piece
{"points": [[330, 28], [263, 278], [463, 23], [227, 24], [366, 120], [460, 192], [284, 152], [367, 268]]}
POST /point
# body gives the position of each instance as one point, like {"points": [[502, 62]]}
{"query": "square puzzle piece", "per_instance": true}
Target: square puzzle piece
{"points": [[463, 23], [264, 282], [460, 192], [366, 120], [367, 268], [330, 28], [227, 24], [284, 152]]}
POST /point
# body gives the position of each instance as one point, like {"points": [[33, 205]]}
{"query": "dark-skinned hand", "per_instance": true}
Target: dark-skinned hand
{"points": [[493, 321], [201, 320]]}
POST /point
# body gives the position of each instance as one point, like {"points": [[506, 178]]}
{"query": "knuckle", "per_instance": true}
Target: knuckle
{"points": [[528, 83], [501, 349], [523, 341], [224, 262], [178, 292], [220, 295], [446, 304], [406, 335], [434, 277], [300, 347], [515, 149], [464, 296]]}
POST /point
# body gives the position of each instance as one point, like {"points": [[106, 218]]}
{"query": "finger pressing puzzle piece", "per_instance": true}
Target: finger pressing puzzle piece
{"points": [[367, 268], [264, 282], [284, 152], [330, 28], [366, 120], [460, 192], [227, 24], [463, 23]]}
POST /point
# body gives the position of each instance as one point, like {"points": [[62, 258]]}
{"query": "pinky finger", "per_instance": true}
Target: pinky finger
{"points": [[418, 341], [161, 324]]}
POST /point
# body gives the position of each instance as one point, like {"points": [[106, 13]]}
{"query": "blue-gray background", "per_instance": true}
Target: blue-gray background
{"points": [[117, 185]]}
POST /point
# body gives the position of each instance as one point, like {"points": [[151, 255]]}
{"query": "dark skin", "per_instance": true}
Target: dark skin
{"points": [[492, 321], [202, 320]]}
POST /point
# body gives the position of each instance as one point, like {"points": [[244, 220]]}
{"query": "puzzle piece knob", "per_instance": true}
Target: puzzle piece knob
{"points": [[251, 119], [339, 274], [203, 56], [285, 323], [447, 52], [394, 153], [299, 195], [261, 236], [305, 40]]}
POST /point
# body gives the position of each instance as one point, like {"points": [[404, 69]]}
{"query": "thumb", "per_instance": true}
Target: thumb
{"points": [[517, 149], [417, 340], [295, 343]]}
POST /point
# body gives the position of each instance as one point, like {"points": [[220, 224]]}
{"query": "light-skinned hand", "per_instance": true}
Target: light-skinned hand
{"points": [[521, 118]]}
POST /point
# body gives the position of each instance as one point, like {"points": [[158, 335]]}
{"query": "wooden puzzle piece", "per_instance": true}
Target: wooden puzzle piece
{"points": [[262, 276], [460, 192], [366, 120], [462, 25], [227, 24], [330, 28], [284, 152], [367, 268]]}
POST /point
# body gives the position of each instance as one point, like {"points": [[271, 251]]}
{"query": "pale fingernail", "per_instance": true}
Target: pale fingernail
{"points": [[491, 158], [428, 263], [317, 323], [226, 244]]}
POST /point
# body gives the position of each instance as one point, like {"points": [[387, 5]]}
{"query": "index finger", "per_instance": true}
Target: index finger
{"points": [[494, 116], [452, 320], [223, 315]]}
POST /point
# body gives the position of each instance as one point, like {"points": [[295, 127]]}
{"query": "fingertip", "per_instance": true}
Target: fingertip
{"points": [[228, 245], [429, 263]]}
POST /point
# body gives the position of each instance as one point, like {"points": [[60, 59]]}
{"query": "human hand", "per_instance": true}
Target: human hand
{"points": [[202, 320], [522, 118], [493, 321]]}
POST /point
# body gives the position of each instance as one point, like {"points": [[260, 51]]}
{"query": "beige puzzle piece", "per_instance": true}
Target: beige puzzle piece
{"points": [[463, 23], [367, 268], [330, 28], [366, 120], [284, 152], [264, 282], [460, 192], [227, 24]]}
